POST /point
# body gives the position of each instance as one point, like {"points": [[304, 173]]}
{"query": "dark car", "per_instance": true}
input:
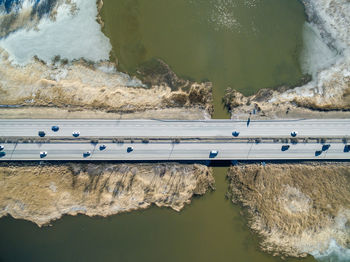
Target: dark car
{"points": [[41, 133], [318, 153], [326, 147], [76, 133], [102, 147], [129, 149], [2, 148], [87, 153], [285, 147], [43, 154], [2, 154], [346, 148], [213, 153], [55, 128], [294, 133], [235, 133]]}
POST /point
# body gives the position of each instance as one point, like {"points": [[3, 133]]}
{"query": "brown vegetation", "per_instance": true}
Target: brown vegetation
{"points": [[295, 208], [80, 86], [42, 193]]}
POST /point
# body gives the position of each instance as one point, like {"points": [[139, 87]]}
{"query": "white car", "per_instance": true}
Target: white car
{"points": [[43, 154], [76, 133]]}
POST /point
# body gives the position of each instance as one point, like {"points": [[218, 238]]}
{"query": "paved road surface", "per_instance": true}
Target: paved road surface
{"points": [[169, 151], [160, 128]]}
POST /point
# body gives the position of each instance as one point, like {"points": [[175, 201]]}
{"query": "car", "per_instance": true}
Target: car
{"points": [[43, 154], [41, 133], [285, 147], [76, 133], [2, 154], [87, 153], [235, 133], [213, 153], [346, 148], [326, 147], [55, 128], [129, 149], [294, 133], [102, 147], [318, 152], [1, 148]]}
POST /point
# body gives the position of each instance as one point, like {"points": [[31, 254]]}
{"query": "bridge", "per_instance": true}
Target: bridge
{"points": [[144, 140]]}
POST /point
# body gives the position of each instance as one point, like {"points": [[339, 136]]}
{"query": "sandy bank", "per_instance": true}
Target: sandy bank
{"points": [[81, 86], [42, 193], [295, 208], [293, 103]]}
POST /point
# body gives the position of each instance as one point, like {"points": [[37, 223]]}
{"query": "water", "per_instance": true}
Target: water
{"points": [[247, 45], [210, 229]]}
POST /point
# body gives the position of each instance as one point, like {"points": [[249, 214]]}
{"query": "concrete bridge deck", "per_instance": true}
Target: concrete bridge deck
{"points": [[214, 130]]}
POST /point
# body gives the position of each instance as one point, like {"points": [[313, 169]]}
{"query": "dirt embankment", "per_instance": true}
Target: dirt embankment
{"points": [[42, 193], [295, 208], [100, 88], [289, 103]]}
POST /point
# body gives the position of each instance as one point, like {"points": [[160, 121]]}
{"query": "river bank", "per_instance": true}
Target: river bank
{"points": [[98, 88], [326, 58], [297, 209], [46, 192]]}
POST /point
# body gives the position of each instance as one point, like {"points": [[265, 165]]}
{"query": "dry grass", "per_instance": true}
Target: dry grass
{"points": [[42, 193], [296, 208]]}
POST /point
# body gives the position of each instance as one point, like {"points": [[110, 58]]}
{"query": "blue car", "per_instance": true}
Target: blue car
{"points": [[55, 128]]}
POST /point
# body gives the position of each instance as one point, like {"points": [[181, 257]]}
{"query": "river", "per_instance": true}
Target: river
{"points": [[247, 45]]}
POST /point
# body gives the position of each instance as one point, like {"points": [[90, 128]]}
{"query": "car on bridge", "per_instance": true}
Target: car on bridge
{"points": [[235, 133], [41, 133], [294, 133], [43, 154], [326, 147], [1, 148], [102, 147], [87, 153], [213, 153], [285, 147], [318, 152], [129, 149], [76, 133], [55, 128]]}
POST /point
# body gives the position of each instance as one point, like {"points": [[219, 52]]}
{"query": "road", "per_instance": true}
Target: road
{"points": [[170, 151], [164, 128]]}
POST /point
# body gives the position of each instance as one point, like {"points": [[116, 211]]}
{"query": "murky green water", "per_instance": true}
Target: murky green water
{"points": [[247, 45], [210, 229], [244, 44]]}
